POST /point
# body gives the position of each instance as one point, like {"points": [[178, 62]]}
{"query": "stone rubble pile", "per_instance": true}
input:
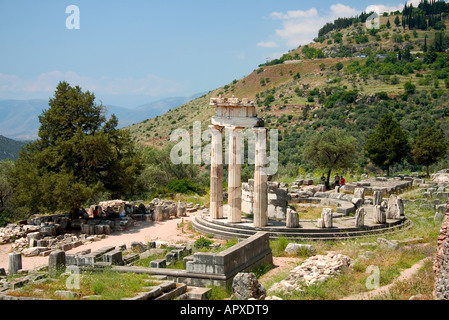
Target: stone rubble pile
{"points": [[43, 234], [36, 244], [13, 231], [314, 270]]}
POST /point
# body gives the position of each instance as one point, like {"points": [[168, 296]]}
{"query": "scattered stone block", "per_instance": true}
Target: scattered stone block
{"points": [[388, 244], [33, 252], [33, 238], [86, 260], [65, 294], [246, 286], [49, 230], [187, 259], [171, 256], [138, 247], [114, 257], [293, 248], [130, 258], [159, 263], [357, 202], [359, 193], [42, 243]]}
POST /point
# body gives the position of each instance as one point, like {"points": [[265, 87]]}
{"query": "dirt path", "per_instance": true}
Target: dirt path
{"points": [[405, 275], [141, 231]]}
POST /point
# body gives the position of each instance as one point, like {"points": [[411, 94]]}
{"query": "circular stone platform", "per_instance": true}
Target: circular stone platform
{"points": [[308, 230]]}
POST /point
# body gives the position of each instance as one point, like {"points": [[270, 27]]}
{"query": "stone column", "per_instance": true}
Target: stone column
{"points": [[234, 176], [56, 263], [216, 174], [14, 263], [360, 218], [292, 219], [260, 207]]}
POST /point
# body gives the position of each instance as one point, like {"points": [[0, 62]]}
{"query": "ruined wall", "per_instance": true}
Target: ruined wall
{"points": [[441, 263], [277, 199]]}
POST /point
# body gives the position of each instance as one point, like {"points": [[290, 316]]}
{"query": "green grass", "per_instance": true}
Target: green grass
{"points": [[262, 269], [278, 246], [219, 293], [390, 262], [108, 284], [422, 284]]}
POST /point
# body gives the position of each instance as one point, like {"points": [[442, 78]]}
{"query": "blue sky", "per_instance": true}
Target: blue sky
{"points": [[134, 52]]}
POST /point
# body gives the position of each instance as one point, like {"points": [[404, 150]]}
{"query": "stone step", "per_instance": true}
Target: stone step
{"points": [[130, 258], [195, 293], [167, 290], [220, 230], [180, 288]]}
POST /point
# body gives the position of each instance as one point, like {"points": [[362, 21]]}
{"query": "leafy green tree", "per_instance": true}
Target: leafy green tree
{"points": [[339, 66], [8, 213], [78, 156], [409, 88], [330, 150], [388, 144], [397, 21], [428, 147]]}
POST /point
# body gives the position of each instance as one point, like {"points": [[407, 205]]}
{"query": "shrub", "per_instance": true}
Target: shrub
{"points": [[202, 243], [184, 186]]}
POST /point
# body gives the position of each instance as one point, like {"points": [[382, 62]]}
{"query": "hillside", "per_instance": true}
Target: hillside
{"points": [[10, 149], [347, 79]]}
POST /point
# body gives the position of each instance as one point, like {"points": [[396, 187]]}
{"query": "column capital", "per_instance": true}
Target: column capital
{"points": [[216, 127]]}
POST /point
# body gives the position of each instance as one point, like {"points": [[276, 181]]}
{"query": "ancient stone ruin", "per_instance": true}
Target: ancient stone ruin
{"points": [[441, 263], [42, 234], [234, 115]]}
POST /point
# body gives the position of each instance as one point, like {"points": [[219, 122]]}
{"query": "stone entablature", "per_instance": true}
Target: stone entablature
{"points": [[232, 112]]}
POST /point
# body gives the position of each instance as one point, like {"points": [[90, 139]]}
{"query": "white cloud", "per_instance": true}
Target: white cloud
{"points": [[268, 44], [342, 11], [295, 14], [383, 8], [45, 84], [300, 27]]}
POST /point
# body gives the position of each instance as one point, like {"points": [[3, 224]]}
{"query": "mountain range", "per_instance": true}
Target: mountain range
{"points": [[10, 149], [19, 118]]}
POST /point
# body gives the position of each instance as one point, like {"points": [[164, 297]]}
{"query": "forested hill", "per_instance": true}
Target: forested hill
{"points": [[348, 78], [10, 149]]}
